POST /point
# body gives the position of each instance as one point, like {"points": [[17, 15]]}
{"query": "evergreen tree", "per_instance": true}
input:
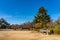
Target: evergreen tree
{"points": [[3, 24], [42, 17]]}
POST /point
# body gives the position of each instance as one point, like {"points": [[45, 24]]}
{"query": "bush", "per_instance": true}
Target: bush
{"points": [[56, 31], [38, 25], [35, 29], [43, 28], [51, 31]]}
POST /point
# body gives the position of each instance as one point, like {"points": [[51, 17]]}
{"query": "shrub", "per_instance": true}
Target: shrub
{"points": [[35, 29], [37, 25], [51, 31], [43, 28], [56, 31]]}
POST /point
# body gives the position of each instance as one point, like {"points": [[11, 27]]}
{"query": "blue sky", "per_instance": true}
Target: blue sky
{"points": [[20, 11]]}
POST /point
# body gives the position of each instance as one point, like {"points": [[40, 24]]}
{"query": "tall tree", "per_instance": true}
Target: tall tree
{"points": [[3, 24], [42, 17]]}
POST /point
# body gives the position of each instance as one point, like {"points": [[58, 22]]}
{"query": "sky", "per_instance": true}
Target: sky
{"points": [[21, 11]]}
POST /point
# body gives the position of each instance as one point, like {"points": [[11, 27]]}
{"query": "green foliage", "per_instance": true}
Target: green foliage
{"points": [[51, 30], [41, 17], [56, 31], [38, 25], [57, 23], [43, 28], [3, 23], [35, 29], [57, 27]]}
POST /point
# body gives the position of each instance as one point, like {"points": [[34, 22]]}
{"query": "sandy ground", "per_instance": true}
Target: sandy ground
{"points": [[26, 35]]}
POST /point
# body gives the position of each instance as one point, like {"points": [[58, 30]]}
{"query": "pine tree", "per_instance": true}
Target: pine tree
{"points": [[3, 24], [42, 17]]}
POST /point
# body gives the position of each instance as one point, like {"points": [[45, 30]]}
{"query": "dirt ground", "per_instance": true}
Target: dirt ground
{"points": [[26, 35]]}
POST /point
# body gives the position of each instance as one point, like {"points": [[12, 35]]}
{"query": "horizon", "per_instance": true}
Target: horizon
{"points": [[21, 11]]}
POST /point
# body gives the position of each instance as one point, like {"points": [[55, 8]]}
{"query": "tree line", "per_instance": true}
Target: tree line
{"points": [[41, 21]]}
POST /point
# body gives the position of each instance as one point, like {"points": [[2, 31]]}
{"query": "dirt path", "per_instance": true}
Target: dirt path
{"points": [[26, 35]]}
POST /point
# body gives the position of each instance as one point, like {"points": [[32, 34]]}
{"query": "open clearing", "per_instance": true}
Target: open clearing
{"points": [[26, 35]]}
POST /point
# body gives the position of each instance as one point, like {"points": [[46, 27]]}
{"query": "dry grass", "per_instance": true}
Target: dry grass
{"points": [[26, 35]]}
